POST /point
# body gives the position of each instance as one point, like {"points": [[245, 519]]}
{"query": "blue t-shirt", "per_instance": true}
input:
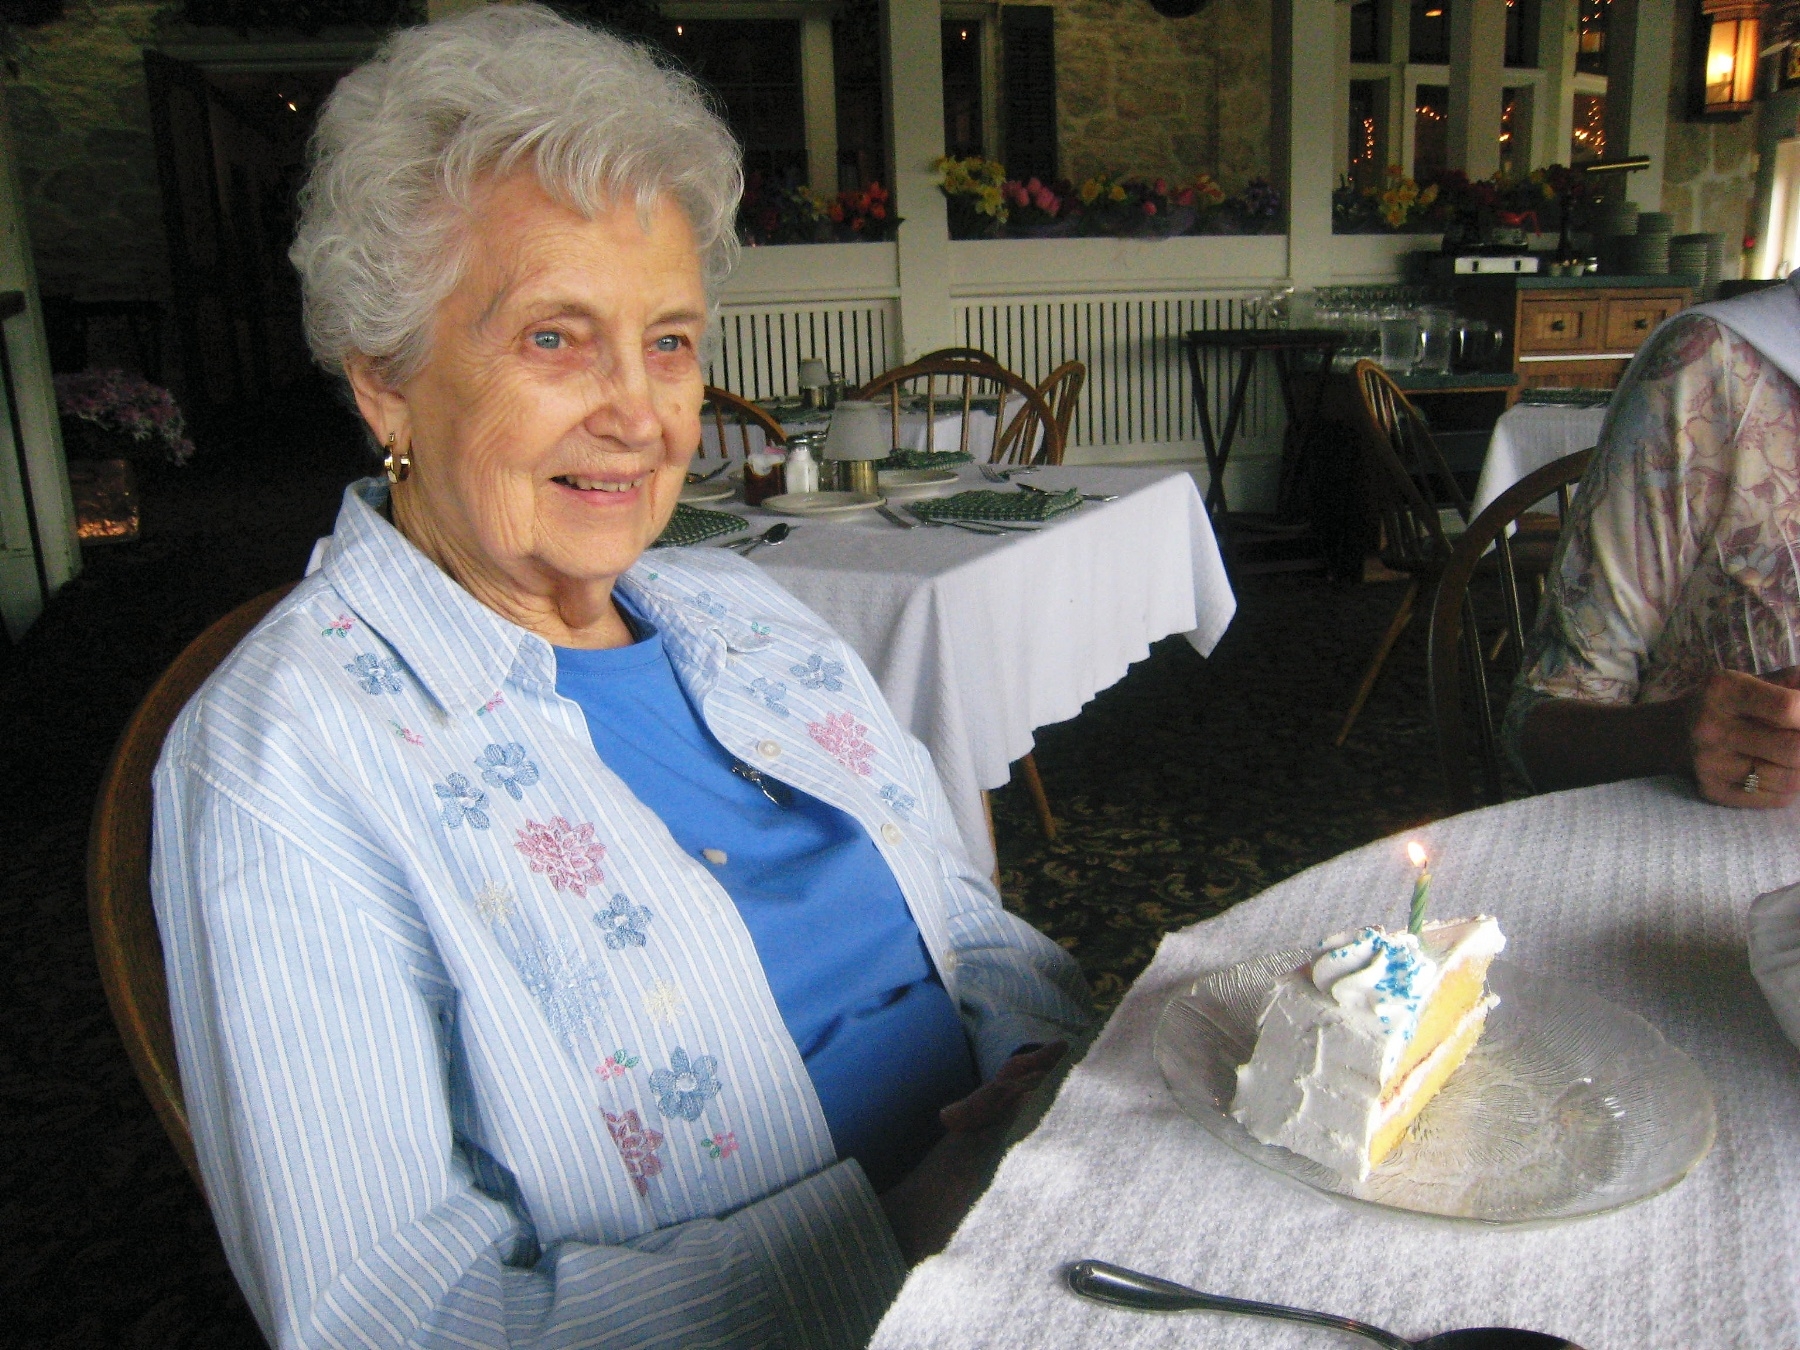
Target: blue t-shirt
{"points": [[848, 967]]}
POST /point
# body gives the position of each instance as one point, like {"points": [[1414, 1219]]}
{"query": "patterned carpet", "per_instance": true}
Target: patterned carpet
{"points": [[1191, 785]]}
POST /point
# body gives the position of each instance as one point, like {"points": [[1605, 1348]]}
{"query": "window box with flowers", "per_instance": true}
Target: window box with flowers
{"points": [[1467, 212], [983, 203], [775, 214]]}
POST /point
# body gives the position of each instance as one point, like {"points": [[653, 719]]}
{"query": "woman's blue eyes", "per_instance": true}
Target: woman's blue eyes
{"points": [[555, 342], [670, 343], [548, 342]]}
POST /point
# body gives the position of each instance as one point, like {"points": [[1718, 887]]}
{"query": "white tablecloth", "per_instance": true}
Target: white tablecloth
{"points": [[1526, 438], [1639, 891], [976, 641]]}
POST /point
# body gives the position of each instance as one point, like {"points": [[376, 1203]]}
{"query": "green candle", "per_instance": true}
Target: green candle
{"points": [[1420, 888]]}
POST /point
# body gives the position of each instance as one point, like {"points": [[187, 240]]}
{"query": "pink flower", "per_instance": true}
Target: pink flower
{"points": [[637, 1146], [1014, 193], [1149, 208], [842, 737], [567, 855]]}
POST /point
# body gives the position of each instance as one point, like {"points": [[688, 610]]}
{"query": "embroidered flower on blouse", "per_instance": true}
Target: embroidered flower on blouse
{"points": [[376, 674], [683, 1089], [622, 923], [665, 1002], [568, 856], [818, 673], [490, 705], [722, 1145], [707, 605], [901, 801], [463, 801], [568, 988], [842, 736], [338, 627], [760, 628], [406, 734], [505, 767], [618, 1062], [772, 693], [494, 903], [637, 1146]]}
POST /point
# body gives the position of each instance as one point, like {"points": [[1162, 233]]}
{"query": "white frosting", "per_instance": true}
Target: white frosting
{"points": [[1333, 1033]]}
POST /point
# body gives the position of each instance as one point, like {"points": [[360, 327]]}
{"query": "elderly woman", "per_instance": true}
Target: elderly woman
{"points": [[1669, 639], [566, 947]]}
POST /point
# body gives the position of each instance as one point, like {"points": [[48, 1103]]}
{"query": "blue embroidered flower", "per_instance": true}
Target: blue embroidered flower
{"points": [[772, 692], [622, 923], [376, 674], [683, 1089], [569, 989], [505, 767], [708, 606], [818, 673], [462, 801], [899, 799]]}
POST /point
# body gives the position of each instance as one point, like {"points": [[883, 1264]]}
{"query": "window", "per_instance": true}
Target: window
{"points": [[1590, 39], [1522, 33], [1588, 142], [1368, 148], [856, 58], [1431, 141], [1365, 31], [1028, 90], [1431, 32], [753, 65], [961, 47]]}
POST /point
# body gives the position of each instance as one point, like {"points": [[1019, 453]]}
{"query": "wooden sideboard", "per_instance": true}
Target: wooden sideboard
{"points": [[1571, 332]]}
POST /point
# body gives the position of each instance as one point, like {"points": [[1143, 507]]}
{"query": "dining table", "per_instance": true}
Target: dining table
{"points": [[977, 640], [1635, 892], [1529, 436]]}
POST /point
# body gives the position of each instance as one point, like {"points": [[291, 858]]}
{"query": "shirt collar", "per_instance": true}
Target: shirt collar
{"points": [[460, 651]]}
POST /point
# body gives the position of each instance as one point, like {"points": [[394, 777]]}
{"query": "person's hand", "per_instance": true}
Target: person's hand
{"points": [[927, 1204], [1740, 724]]}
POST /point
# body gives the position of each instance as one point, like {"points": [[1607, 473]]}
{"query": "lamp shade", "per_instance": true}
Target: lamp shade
{"points": [[813, 374], [1727, 38], [859, 430]]}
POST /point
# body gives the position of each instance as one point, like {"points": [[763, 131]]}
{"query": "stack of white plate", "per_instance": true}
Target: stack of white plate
{"points": [[1649, 255], [1699, 256]]}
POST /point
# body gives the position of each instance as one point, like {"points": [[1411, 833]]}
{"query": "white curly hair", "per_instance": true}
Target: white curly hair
{"points": [[404, 142]]}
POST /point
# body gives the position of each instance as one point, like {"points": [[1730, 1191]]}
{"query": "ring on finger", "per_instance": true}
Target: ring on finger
{"points": [[1752, 781]]}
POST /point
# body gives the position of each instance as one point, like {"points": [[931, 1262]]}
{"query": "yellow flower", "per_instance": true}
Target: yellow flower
{"points": [[1429, 195], [1088, 191], [1116, 194]]}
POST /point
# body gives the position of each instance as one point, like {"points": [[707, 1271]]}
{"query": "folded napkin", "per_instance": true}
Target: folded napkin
{"points": [[691, 525], [982, 504], [1566, 398], [922, 459]]}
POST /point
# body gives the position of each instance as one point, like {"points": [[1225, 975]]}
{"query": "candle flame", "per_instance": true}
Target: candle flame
{"points": [[1416, 851]]}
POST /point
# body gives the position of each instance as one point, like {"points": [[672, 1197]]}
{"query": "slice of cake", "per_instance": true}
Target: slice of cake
{"points": [[1351, 1046]]}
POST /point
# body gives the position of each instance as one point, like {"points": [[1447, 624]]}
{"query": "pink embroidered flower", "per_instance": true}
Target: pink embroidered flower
{"points": [[842, 736], [406, 734], [637, 1146], [722, 1145], [490, 705], [567, 855], [616, 1063], [338, 627]]}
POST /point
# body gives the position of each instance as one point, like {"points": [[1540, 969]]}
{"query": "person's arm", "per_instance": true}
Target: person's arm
{"points": [[318, 1040]]}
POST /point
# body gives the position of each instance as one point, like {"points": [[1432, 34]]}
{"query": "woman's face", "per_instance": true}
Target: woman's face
{"points": [[552, 424]]}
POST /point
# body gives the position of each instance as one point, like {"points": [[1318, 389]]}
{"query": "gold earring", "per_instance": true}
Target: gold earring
{"points": [[398, 470]]}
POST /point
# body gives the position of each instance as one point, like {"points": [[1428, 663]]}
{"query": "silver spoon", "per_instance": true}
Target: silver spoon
{"points": [[773, 535], [1122, 1288]]}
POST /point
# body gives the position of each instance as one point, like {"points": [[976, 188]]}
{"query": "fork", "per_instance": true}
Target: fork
{"points": [[1086, 496], [993, 475]]}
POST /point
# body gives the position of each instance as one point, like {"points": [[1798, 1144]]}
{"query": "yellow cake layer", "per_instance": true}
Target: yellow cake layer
{"points": [[1460, 990], [1432, 1077]]}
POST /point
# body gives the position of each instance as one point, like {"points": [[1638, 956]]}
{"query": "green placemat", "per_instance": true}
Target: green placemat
{"points": [[1566, 398], [982, 504], [691, 525], [923, 459]]}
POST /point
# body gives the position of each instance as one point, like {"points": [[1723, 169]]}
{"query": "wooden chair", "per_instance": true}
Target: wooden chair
{"points": [[1457, 662], [962, 354], [1025, 430], [120, 914], [729, 409], [1061, 389], [1407, 479]]}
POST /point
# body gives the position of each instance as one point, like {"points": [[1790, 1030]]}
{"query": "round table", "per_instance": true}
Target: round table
{"points": [[1636, 890]]}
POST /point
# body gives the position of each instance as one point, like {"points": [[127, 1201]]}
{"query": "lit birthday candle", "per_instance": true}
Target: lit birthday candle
{"points": [[1416, 852]]}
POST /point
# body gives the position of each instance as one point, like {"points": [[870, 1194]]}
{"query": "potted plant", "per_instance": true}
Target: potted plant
{"points": [[113, 421]]}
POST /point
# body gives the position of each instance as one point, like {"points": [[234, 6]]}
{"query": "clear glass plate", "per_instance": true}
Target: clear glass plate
{"points": [[1568, 1106]]}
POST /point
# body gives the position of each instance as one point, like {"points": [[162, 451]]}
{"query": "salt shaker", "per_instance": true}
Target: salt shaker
{"points": [[802, 469]]}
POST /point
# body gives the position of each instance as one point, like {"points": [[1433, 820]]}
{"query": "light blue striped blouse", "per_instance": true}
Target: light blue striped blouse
{"points": [[475, 1055]]}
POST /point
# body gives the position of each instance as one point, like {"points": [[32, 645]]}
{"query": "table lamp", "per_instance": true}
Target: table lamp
{"points": [[861, 434], [813, 378]]}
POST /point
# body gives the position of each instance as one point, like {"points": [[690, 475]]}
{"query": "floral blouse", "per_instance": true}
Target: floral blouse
{"points": [[475, 1054], [1683, 546]]}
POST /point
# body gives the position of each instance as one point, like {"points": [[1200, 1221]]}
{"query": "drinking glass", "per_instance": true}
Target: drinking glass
{"points": [[1399, 341], [1434, 340]]}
